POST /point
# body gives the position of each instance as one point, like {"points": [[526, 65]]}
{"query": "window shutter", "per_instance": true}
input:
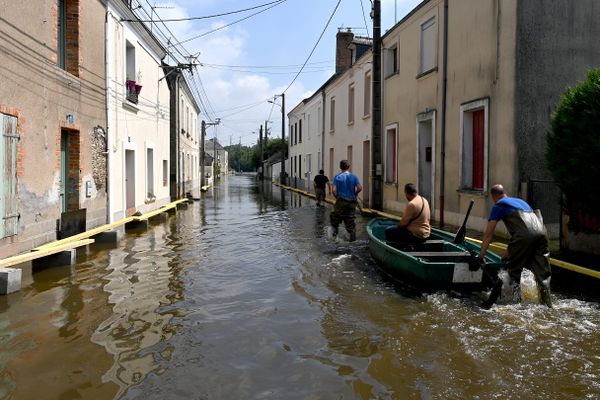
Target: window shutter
{"points": [[8, 187]]}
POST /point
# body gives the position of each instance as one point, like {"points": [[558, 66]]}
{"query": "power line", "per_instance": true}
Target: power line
{"points": [[230, 24], [362, 7], [266, 66], [207, 16], [268, 73], [315, 46]]}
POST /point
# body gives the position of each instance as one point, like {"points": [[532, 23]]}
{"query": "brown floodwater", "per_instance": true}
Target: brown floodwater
{"points": [[244, 296]]}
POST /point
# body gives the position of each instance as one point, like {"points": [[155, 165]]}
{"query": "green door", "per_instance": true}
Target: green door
{"points": [[64, 164]]}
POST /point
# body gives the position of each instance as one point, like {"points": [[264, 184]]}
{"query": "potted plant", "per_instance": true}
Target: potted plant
{"points": [[138, 84], [130, 84]]}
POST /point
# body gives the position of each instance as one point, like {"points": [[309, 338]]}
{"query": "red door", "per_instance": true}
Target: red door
{"points": [[478, 148]]}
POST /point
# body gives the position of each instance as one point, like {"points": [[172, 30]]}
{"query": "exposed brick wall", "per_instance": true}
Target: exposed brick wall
{"points": [[73, 57], [73, 52]]}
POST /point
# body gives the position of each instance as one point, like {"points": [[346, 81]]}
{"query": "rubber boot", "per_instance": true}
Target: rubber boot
{"points": [[544, 287], [352, 236], [494, 294]]}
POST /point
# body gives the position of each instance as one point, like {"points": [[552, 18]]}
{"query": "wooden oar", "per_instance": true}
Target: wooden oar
{"points": [[462, 231]]}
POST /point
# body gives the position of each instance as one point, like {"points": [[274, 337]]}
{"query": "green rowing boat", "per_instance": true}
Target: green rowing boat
{"points": [[438, 262]]}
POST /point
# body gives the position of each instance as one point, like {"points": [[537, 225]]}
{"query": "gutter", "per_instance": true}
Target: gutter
{"points": [[444, 100]]}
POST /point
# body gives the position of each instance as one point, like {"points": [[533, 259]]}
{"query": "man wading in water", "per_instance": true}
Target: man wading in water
{"points": [[528, 246], [345, 188]]}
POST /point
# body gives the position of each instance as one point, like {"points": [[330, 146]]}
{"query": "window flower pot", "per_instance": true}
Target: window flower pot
{"points": [[138, 89], [130, 85]]}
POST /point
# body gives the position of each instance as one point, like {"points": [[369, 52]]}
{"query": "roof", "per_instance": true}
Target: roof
{"points": [[410, 14], [210, 145]]}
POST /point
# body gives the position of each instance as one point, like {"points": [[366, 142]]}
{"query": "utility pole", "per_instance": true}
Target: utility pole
{"points": [[376, 168], [283, 156], [202, 135], [260, 153]]}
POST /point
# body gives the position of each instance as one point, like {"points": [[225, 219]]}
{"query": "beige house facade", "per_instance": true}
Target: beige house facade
{"points": [[138, 116], [348, 122], [189, 153], [335, 122], [52, 121], [506, 64]]}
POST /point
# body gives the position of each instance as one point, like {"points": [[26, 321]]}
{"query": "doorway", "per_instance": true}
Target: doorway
{"points": [[425, 156], [366, 172], [69, 170], [130, 181]]}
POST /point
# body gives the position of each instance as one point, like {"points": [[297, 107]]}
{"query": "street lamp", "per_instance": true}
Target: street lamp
{"points": [[282, 179]]}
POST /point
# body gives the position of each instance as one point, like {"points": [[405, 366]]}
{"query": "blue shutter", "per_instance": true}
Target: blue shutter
{"points": [[9, 225]]}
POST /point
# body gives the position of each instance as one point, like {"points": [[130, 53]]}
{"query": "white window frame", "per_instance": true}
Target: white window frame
{"points": [[430, 23], [351, 103], [466, 124], [386, 165]]}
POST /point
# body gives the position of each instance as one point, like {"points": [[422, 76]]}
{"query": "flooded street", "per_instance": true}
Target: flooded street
{"points": [[243, 296]]}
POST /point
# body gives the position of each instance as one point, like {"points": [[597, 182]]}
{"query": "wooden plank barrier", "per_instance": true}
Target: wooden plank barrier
{"points": [[35, 254]]}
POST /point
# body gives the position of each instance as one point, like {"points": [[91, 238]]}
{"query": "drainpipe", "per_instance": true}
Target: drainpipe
{"points": [[443, 133], [323, 130]]}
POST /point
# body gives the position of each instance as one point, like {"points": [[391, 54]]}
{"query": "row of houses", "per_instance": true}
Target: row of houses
{"points": [[95, 125], [468, 90]]}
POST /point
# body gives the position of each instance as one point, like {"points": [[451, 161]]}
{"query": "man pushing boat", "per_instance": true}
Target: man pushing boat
{"points": [[528, 246]]}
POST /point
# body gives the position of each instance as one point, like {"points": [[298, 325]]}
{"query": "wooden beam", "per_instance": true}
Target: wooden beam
{"points": [[84, 235], [35, 254]]}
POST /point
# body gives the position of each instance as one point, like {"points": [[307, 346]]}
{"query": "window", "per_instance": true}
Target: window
{"points": [[367, 95], [391, 61], [150, 171], [67, 25], [331, 170], [349, 155], [474, 130], [9, 217], [319, 166], [351, 104], [319, 121], [390, 155], [296, 133], [300, 131], [428, 59], [308, 126], [130, 82], [332, 115], [165, 172]]}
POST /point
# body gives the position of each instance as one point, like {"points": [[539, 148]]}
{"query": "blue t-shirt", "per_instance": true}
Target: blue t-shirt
{"points": [[345, 184], [506, 206]]}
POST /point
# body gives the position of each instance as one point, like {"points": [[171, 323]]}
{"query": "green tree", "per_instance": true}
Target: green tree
{"points": [[573, 151]]}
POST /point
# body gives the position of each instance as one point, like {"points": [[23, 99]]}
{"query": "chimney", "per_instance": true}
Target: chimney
{"points": [[343, 54]]}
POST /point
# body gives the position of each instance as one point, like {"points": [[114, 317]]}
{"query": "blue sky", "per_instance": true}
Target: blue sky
{"points": [[249, 62]]}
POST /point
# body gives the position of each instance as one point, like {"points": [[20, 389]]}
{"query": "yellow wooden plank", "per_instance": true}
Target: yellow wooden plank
{"points": [[35, 254], [86, 234]]}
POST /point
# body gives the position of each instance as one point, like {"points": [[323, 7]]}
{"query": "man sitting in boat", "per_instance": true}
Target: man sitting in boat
{"points": [[528, 246], [414, 226]]}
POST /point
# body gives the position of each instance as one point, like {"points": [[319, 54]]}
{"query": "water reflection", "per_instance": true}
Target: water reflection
{"points": [[143, 281], [244, 296]]}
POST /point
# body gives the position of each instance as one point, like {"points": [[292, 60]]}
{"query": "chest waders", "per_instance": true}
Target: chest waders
{"points": [[528, 248]]}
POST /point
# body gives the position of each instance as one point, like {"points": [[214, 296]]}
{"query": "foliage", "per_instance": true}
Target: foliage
{"points": [[573, 151], [245, 158]]}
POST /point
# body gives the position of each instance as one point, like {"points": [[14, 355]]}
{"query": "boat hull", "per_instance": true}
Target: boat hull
{"points": [[437, 262]]}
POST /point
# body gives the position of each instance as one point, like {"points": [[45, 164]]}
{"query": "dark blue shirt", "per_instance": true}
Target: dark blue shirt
{"points": [[506, 206], [345, 185]]}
